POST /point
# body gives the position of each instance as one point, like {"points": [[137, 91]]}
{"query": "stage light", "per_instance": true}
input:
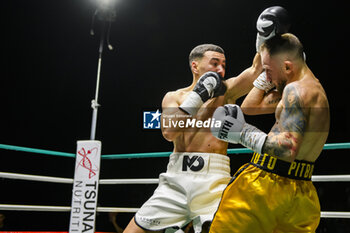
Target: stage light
{"points": [[105, 9], [106, 4]]}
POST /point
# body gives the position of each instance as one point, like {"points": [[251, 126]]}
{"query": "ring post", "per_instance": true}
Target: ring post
{"points": [[85, 187], [88, 156]]}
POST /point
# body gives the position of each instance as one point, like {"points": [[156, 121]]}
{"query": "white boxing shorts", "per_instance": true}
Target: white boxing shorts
{"points": [[190, 190]]}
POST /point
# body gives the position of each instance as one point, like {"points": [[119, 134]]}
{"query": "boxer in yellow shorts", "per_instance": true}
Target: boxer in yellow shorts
{"points": [[259, 198], [274, 192]]}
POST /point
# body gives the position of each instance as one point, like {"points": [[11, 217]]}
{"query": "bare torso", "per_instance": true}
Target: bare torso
{"points": [[199, 139], [316, 111]]}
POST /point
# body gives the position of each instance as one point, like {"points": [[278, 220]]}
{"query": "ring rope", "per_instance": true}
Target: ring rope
{"points": [[330, 178], [37, 151], [335, 214], [329, 146], [324, 214], [8, 175], [319, 178], [62, 208]]}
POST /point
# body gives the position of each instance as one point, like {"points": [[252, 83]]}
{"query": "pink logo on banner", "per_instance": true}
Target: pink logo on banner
{"points": [[85, 162]]}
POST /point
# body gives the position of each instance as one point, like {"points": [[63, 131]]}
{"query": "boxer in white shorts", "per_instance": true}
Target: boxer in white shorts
{"points": [[190, 190], [198, 170]]}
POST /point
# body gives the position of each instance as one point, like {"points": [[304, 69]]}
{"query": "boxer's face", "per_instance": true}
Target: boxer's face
{"points": [[274, 70], [212, 61]]}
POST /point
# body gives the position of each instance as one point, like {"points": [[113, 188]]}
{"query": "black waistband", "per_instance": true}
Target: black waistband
{"points": [[299, 169]]}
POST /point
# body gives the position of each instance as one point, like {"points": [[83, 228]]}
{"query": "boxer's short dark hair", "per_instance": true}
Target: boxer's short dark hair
{"points": [[198, 51], [284, 43]]}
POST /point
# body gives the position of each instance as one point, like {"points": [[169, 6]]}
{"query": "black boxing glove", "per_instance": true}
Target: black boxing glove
{"points": [[209, 85], [272, 21]]}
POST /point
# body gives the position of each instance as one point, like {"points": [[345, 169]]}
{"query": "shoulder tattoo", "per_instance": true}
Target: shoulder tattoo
{"points": [[283, 139]]}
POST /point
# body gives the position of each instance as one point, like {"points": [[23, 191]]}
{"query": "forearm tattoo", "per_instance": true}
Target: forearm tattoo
{"points": [[285, 135]]}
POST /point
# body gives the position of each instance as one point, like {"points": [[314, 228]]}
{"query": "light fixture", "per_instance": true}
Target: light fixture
{"points": [[105, 9]]}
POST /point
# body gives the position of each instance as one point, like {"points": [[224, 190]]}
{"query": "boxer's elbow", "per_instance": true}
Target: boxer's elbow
{"points": [[282, 145], [249, 110], [169, 135], [288, 153]]}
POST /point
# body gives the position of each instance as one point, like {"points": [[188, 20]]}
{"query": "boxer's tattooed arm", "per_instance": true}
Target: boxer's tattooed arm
{"points": [[275, 100], [285, 137]]}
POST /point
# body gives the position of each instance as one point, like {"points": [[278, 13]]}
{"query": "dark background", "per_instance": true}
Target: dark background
{"points": [[49, 66]]}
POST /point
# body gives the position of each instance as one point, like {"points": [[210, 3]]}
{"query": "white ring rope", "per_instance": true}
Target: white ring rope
{"points": [[334, 214], [62, 208], [331, 178], [316, 178], [324, 214], [129, 181], [8, 175], [18, 176]]}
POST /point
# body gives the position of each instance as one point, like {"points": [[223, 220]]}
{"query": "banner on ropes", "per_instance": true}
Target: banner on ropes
{"points": [[85, 187]]}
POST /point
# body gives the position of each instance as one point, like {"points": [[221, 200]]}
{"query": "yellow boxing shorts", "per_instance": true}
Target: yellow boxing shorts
{"points": [[271, 196]]}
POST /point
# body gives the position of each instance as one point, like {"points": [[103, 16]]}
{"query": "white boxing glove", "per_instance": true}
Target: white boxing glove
{"points": [[234, 129], [232, 122]]}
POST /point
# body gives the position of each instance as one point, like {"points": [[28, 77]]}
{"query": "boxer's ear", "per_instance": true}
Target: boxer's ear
{"points": [[194, 67], [288, 67]]}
